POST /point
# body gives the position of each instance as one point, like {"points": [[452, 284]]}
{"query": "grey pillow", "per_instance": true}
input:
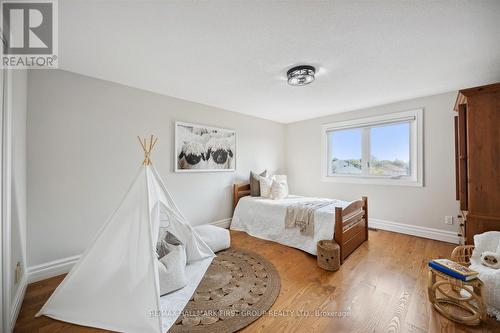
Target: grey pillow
{"points": [[255, 183], [166, 244], [162, 249], [171, 239]]}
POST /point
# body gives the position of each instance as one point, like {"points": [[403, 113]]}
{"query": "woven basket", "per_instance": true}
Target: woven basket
{"points": [[328, 255]]}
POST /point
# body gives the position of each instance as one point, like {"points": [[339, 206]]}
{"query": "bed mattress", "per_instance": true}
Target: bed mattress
{"points": [[265, 218]]}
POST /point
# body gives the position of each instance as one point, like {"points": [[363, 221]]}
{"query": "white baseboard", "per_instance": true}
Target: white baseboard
{"points": [[62, 266], [18, 300], [225, 223], [431, 233], [50, 269]]}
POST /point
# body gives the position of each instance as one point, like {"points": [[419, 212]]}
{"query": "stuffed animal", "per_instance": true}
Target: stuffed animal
{"points": [[487, 248], [490, 259]]}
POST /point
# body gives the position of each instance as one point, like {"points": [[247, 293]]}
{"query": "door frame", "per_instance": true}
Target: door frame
{"points": [[5, 198]]}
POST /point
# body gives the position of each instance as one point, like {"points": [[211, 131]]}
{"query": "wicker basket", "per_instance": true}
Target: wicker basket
{"points": [[328, 255]]}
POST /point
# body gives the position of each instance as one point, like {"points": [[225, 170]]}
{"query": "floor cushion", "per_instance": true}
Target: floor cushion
{"points": [[217, 238]]}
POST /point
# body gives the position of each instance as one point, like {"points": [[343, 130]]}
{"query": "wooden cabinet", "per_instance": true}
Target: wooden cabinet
{"points": [[477, 154]]}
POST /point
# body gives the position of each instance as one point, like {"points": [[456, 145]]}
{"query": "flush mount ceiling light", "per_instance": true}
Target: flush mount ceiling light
{"points": [[300, 75]]}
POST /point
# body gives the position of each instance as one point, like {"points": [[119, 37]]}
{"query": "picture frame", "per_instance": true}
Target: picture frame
{"points": [[202, 148]]}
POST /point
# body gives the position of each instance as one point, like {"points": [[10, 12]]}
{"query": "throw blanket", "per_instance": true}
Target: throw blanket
{"points": [[488, 241], [301, 215]]}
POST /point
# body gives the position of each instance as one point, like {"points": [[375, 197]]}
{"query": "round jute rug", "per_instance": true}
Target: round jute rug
{"points": [[238, 288]]}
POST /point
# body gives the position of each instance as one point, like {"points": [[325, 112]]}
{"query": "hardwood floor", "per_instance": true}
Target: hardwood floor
{"points": [[382, 287]]}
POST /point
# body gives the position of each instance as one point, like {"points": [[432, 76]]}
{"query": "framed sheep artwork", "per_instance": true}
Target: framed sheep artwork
{"points": [[200, 148]]}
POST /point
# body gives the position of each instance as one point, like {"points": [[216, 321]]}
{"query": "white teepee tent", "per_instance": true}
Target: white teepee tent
{"points": [[115, 284]]}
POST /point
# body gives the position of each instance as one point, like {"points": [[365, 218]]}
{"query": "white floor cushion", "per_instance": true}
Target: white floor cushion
{"points": [[217, 238]]}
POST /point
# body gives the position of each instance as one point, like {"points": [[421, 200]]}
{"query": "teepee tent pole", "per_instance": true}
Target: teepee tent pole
{"points": [[147, 148]]}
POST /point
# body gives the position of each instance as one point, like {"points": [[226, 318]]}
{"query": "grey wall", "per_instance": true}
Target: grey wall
{"points": [[83, 154], [420, 206], [18, 198]]}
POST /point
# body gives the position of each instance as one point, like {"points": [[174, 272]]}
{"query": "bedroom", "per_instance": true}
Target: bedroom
{"points": [[378, 158]]}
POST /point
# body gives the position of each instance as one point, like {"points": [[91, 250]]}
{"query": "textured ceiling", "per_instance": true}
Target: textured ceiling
{"points": [[234, 54]]}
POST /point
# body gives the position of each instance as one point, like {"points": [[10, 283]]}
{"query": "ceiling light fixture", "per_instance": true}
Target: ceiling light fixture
{"points": [[300, 75]]}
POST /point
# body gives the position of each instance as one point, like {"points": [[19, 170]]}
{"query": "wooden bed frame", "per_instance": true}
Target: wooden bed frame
{"points": [[351, 227]]}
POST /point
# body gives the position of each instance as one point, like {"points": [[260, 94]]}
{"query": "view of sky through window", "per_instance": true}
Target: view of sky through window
{"points": [[345, 149], [389, 150]]}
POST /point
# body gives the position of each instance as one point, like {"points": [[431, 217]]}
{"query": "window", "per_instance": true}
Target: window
{"points": [[382, 150]]}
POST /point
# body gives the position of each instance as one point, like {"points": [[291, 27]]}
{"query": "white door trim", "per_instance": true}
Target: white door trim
{"points": [[2, 294], [5, 197]]}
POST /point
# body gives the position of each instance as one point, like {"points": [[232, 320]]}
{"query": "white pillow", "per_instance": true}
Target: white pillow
{"points": [[278, 190], [265, 186], [282, 179], [172, 270]]}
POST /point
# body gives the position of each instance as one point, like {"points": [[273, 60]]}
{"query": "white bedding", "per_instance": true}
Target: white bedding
{"points": [[265, 218]]}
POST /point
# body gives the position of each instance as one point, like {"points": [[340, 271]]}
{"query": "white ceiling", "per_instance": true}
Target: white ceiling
{"points": [[234, 54]]}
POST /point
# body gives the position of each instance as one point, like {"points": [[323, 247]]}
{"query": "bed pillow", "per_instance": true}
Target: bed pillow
{"points": [[255, 183], [278, 190], [172, 270], [265, 187], [282, 179]]}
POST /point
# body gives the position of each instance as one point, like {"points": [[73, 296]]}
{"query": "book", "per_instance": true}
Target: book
{"points": [[453, 269]]}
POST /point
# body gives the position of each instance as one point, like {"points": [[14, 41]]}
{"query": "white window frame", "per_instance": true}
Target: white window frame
{"points": [[416, 150]]}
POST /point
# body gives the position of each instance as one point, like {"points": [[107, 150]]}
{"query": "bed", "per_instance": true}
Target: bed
{"points": [[263, 218]]}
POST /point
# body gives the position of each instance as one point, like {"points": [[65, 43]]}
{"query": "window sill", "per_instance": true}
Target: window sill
{"points": [[373, 180]]}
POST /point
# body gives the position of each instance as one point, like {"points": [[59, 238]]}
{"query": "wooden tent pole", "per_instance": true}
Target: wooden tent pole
{"points": [[140, 141], [147, 148]]}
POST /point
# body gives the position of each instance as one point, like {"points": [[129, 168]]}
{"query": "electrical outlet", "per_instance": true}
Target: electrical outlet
{"points": [[17, 277], [448, 219]]}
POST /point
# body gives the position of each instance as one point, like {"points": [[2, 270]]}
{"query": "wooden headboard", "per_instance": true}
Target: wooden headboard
{"points": [[240, 191]]}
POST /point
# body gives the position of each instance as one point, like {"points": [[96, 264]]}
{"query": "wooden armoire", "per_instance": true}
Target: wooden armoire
{"points": [[477, 154]]}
